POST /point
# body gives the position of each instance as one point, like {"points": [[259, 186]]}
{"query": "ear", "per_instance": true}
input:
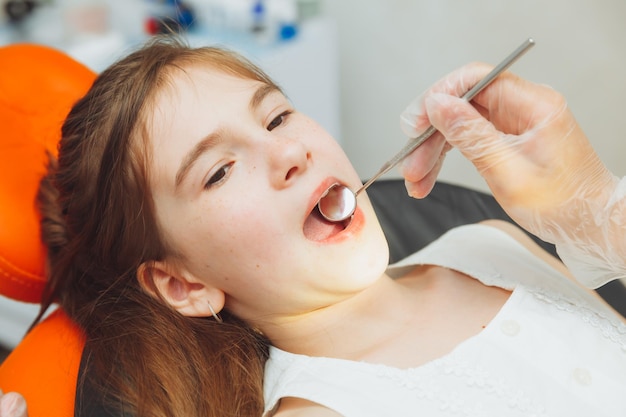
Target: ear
{"points": [[187, 294]]}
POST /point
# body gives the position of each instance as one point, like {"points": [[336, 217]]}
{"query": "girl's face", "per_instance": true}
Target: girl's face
{"points": [[236, 173]]}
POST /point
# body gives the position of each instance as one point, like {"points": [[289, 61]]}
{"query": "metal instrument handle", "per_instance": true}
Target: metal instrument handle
{"points": [[416, 142]]}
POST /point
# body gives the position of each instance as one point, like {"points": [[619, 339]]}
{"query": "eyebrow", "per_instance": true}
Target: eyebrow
{"points": [[260, 94], [212, 139]]}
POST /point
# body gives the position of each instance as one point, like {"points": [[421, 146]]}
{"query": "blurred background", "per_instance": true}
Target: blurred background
{"points": [[355, 65]]}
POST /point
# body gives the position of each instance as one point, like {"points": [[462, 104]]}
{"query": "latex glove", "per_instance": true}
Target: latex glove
{"points": [[537, 161], [12, 405]]}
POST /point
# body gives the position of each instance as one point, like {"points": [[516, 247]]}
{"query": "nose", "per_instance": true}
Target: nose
{"points": [[288, 159]]}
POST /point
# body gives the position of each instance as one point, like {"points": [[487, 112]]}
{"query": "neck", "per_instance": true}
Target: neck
{"points": [[352, 328]]}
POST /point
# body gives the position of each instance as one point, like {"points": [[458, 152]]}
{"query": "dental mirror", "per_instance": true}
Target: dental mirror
{"points": [[339, 202]]}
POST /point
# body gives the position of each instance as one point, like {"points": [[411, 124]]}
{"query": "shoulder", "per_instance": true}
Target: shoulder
{"points": [[518, 234], [298, 407], [522, 238]]}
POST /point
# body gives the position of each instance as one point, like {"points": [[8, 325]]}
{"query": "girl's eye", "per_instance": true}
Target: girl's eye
{"points": [[279, 120], [219, 176]]}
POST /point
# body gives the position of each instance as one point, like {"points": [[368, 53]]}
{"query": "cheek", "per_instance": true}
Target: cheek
{"points": [[227, 241]]}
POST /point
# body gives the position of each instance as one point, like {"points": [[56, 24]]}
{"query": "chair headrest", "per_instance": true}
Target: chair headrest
{"points": [[38, 86]]}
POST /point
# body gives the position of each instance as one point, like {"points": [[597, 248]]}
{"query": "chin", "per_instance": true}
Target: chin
{"points": [[359, 242], [371, 251], [378, 252]]}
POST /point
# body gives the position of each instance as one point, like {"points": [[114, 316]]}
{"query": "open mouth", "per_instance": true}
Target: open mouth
{"points": [[317, 228]]}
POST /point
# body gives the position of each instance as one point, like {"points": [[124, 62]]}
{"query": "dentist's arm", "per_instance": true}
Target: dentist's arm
{"points": [[535, 158]]}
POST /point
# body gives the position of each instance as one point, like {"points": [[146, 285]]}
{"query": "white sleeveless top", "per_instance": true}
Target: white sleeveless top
{"points": [[552, 350]]}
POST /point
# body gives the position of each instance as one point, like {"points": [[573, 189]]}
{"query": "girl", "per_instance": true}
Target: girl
{"points": [[183, 237]]}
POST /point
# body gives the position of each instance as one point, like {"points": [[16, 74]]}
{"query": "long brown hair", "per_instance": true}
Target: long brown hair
{"points": [[99, 225]]}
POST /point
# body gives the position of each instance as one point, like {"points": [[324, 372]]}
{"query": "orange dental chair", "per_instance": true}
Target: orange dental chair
{"points": [[38, 86]]}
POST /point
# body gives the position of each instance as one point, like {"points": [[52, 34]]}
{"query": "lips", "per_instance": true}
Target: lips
{"points": [[317, 228]]}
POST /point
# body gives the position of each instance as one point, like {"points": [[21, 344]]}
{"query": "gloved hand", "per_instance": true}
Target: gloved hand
{"points": [[535, 158], [12, 405]]}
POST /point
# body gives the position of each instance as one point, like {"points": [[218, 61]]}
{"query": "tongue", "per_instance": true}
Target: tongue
{"points": [[317, 228]]}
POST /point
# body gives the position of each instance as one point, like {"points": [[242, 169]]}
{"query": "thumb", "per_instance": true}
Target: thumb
{"points": [[461, 124], [12, 405]]}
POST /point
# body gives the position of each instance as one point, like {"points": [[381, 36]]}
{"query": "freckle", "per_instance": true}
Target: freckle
{"points": [[258, 266]]}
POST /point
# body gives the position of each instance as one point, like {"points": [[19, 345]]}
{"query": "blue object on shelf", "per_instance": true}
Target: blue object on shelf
{"points": [[168, 16]]}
